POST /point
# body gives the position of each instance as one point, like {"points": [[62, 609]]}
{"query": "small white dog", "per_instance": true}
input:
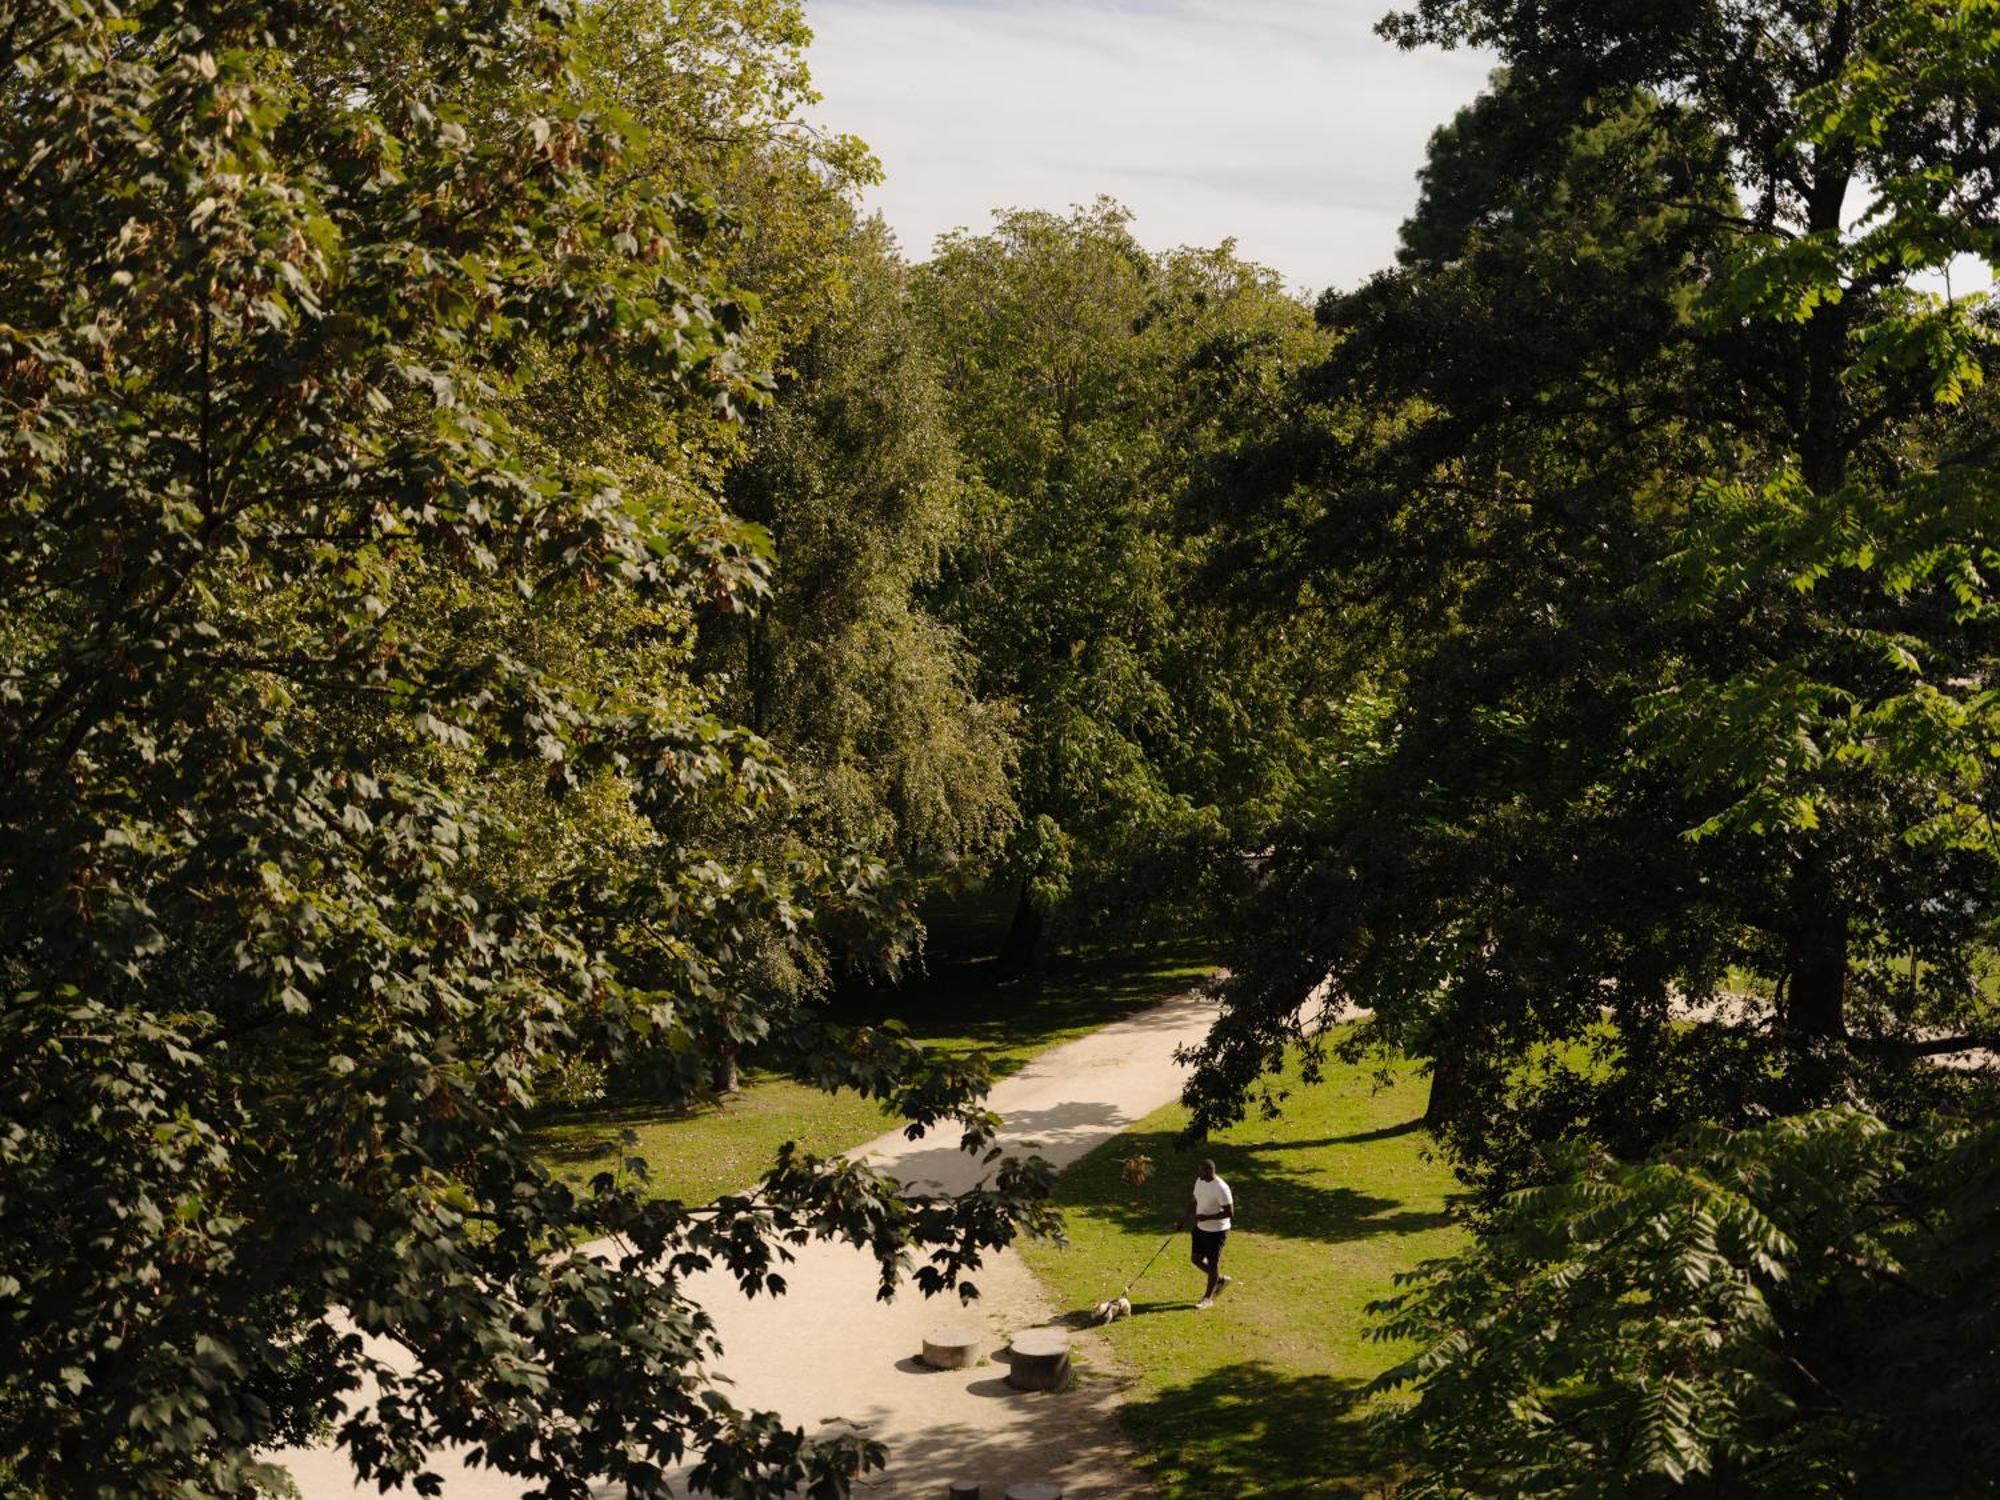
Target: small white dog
{"points": [[1112, 1311]]}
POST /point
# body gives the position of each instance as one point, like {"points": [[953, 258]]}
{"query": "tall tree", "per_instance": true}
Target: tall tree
{"points": [[1800, 758], [855, 473], [1537, 407], [1069, 352], [848, 670], [1799, 324], [1471, 487], [353, 780], [910, 770]]}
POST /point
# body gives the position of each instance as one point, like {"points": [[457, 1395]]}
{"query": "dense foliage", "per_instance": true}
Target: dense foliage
{"points": [[849, 670], [358, 788], [1661, 707], [511, 587], [1093, 383], [1803, 1308], [1658, 478]]}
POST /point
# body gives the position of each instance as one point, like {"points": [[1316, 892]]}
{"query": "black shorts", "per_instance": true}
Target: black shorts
{"points": [[1208, 1244]]}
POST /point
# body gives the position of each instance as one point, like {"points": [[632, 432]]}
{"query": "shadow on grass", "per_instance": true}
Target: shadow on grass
{"points": [[1270, 1198], [575, 1142], [962, 1007], [1250, 1429], [1360, 1138], [977, 1004]]}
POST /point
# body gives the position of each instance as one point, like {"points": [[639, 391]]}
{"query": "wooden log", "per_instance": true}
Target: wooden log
{"points": [[1040, 1360], [951, 1348], [963, 1489]]}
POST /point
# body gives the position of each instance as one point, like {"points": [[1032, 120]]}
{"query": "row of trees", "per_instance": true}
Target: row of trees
{"points": [[984, 638], [507, 583]]}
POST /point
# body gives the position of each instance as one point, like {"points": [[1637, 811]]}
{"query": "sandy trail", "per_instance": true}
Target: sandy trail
{"points": [[828, 1349]]}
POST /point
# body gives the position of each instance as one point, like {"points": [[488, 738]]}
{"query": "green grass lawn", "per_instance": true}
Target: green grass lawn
{"points": [[1257, 1396], [962, 1008]]}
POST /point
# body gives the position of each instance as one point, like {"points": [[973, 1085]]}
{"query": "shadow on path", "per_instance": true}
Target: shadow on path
{"points": [[1058, 1133], [923, 1464]]}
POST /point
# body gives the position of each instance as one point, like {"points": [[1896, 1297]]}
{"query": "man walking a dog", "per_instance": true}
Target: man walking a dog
{"points": [[1209, 1211]]}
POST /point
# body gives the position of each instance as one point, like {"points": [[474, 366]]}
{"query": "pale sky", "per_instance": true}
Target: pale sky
{"points": [[1287, 124]]}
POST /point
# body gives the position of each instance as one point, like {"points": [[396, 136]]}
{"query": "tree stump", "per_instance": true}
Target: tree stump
{"points": [[963, 1489], [1034, 1489], [1041, 1360], [950, 1348]]}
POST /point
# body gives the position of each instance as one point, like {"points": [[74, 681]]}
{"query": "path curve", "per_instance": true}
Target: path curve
{"points": [[828, 1349]]}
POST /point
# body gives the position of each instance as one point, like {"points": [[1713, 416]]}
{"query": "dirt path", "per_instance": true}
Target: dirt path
{"points": [[829, 1349]]}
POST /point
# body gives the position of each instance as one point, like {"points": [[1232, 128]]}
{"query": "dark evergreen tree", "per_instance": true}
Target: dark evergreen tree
{"points": [[1500, 475]]}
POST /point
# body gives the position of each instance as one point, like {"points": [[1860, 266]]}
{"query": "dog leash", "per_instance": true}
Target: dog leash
{"points": [[1149, 1264]]}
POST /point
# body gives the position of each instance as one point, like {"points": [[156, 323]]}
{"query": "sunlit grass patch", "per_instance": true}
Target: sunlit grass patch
{"points": [[1259, 1396]]}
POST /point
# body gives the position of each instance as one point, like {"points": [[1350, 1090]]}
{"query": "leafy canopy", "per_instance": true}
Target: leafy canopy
{"points": [[354, 785]]}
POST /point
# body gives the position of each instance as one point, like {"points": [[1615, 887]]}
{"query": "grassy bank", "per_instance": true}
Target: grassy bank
{"points": [[1257, 1396], [963, 1008]]}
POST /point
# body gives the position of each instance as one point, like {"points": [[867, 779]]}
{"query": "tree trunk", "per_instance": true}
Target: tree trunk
{"points": [[1447, 1091], [1022, 951], [722, 1072], [1819, 984], [1825, 432], [1817, 977], [1816, 969]]}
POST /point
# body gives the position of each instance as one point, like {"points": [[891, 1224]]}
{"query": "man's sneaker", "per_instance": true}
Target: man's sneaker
{"points": [[1223, 1285], [1205, 1302]]}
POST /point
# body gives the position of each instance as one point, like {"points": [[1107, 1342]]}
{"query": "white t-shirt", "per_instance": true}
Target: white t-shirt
{"points": [[1211, 1194]]}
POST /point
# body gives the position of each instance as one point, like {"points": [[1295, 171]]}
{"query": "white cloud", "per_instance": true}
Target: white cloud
{"points": [[1286, 124]]}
